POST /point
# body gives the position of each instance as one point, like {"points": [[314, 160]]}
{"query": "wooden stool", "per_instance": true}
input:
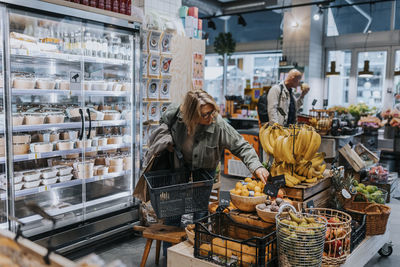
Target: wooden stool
{"points": [[159, 232]]}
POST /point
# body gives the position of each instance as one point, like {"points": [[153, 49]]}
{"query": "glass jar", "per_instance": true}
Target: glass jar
{"points": [[104, 47]]}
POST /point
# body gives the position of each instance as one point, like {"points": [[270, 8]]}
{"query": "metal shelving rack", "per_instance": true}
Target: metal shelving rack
{"points": [[83, 199]]}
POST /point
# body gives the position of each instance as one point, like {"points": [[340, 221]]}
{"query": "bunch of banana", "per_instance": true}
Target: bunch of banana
{"points": [[312, 170], [268, 136], [285, 169]]}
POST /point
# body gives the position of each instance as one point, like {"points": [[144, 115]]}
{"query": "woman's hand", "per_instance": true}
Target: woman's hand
{"points": [[262, 173]]}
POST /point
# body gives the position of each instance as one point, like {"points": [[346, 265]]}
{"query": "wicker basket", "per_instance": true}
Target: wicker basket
{"points": [[337, 233], [377, 215], [247, 204]]}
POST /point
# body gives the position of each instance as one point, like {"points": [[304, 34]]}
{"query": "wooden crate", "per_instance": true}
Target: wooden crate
{"points": [[215, 192], [302, 192], [249, 219], [320, 200]]}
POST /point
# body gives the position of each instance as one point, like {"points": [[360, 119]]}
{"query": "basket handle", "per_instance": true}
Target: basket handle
{"points": [[286, 205], [362, 195], [379, 206]]}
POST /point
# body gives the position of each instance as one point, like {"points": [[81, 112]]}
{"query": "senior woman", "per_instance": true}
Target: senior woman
{"points": [[201, 135]]}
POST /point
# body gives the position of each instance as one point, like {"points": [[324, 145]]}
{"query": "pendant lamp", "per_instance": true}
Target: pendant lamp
{"points": [[332, 71], [366, 73]]}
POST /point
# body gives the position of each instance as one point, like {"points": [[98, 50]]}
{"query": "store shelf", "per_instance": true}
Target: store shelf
{"points": [[67, 125], [21, 55], [31, 92], [59, 153], [44, 188]]}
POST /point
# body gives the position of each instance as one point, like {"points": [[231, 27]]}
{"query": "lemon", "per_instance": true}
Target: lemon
{"points": [[245, 193], [239, 192], [257, 189], [238, 185], [233, 191], [248, 180], [250, 186], [257, 194]]}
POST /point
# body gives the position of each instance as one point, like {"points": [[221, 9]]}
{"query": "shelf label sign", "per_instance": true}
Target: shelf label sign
{"points": [[75, 80]]}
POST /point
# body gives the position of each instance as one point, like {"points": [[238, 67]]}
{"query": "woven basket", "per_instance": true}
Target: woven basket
{"points": [[377, 215], [247, 204], [339, 232], [377, 218]]}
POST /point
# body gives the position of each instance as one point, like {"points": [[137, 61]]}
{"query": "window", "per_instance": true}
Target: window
{"points": [[397, 21], [244, 71], [358, 18], [396, 80], [369, 90], [338, 86]]}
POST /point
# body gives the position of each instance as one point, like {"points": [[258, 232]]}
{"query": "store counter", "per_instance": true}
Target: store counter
{"points": [[182, 255]]}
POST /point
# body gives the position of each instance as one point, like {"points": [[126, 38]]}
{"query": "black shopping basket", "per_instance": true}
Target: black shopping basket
{"points": [[178, 192]]}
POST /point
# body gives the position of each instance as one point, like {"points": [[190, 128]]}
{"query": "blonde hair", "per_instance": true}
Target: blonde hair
{"points": [[190, 108]]}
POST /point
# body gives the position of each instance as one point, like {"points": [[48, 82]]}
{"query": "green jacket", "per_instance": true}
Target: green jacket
{"points": [[210, 142]]}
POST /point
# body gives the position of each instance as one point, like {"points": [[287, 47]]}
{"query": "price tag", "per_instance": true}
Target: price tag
{"points": [[314, 102], [279, 180], [310, 204], [271, 190], [43, 188], [34, 156], [224, 198], [346, 194]]}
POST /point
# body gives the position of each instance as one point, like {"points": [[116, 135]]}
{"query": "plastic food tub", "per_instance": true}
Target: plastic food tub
{"points": [[49, 173], [30, 176]]}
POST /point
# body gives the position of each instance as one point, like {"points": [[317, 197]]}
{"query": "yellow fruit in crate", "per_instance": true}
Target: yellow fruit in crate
{"points": [[233, 191], [204, 249], [238, 185], [257, 194], [245, 187], [238, 192], [245, 193], [248, 180], [257, 189]]}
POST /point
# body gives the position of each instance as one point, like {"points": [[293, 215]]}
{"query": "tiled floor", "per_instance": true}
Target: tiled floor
{"points": [[130, 252]]}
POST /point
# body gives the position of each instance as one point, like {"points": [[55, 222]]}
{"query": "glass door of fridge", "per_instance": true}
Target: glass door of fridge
{"points": [[48, 118], [109, 99], [3, 177]]}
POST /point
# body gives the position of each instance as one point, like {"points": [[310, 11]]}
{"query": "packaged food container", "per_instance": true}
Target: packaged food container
{"points": [[65, 178], [83, 174], [96, 115], [63, 170], [100, 170], [47, 84], [87, 143], [115, 140], [99, 86], [2, 151], [91, 154], [30, 176], [18, 119], [48, 173], [23, 83], [55, 117], [65, 145], [111, 115], [18, 177], [49, 137], [32, 184], [126, 87], [115, 169], [63, 85], [114, 161], [127, 163], [117, 87], [127, 139], [102, 141], [21, 139], [34, 118], [50, 181], [87, 86], [69, 135], [71, 156], [82, 167], [100, 161], [41, 147], [18, 186], [20, 149]]}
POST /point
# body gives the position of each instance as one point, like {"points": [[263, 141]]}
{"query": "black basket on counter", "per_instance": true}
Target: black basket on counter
{"points": [[174, 193], [357, 234], [223, 241]]}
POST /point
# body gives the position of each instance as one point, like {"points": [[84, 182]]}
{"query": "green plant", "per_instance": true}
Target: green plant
{"points": [[224, 43]]}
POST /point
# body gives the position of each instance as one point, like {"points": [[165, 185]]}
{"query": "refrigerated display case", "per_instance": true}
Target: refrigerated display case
{"points": [[71, 120]]}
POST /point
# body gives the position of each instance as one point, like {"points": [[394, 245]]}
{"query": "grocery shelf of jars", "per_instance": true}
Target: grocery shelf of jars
{"points": [[71, 113]]}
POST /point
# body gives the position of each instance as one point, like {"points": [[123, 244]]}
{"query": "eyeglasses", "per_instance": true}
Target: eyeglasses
{"points": [[208, 114]]}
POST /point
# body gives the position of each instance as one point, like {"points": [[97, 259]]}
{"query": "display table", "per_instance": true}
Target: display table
{"points": [[331, 144], [182, 255], [366, 250]]}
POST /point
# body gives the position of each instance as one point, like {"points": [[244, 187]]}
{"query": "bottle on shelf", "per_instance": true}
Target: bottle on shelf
{"points": [[93, 3], [122, 6], [85, 2], [87, 44], [115, 6], [101, 4], [108, 5], [128, 7], [104, 47]]}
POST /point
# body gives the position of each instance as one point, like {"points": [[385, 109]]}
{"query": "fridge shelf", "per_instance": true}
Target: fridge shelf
{"points": [[22, 54], [44, 188], [68, 92], [59, 153], [67, 125]]}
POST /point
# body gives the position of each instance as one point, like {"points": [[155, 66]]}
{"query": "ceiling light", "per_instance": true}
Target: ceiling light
{"points": [[295, 24], [211, 24], [319, 13], [332, 71], [397, 73], [366, 73], [241, 21]]}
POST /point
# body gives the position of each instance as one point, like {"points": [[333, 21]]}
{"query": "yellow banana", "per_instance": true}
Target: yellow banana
{"points": [[322, 169], [317, 160], [312, 180], [299, 177], [278, 149], [291, 179], [289, 183], [313, 146], [269, 148], [288, 150]]}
